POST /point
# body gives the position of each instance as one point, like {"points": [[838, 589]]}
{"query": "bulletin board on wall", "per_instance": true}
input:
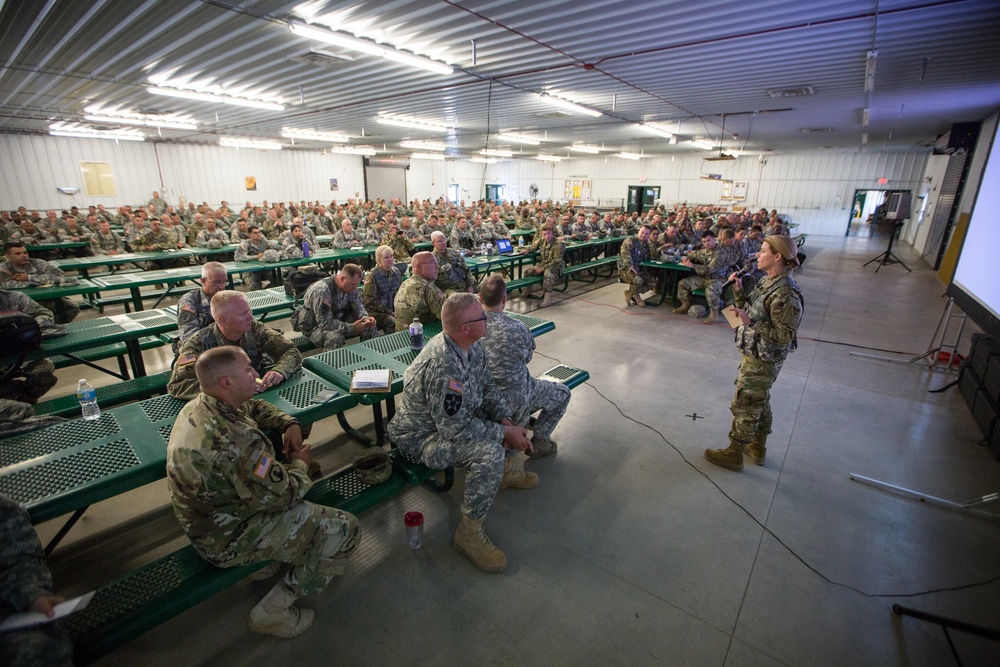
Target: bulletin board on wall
{"points": [[98, 180], [577, 188]]}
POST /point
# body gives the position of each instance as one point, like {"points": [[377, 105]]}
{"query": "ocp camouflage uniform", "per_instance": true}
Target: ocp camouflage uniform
{"points": [[328, 315], [24, 577], [267, 348], [711, 268], [379, 296], [239, 505], [461, 238], [420, 298], [194, 312], [508, 345], [500, 230], [34, 377], [775, 312], [630, 258], [548, 262], [402, 247], [453, 272], [40, 272], [449, 415], [177, 235]]}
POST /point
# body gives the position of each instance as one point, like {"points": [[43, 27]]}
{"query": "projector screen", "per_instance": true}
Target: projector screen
{"points": [[976, 284]]}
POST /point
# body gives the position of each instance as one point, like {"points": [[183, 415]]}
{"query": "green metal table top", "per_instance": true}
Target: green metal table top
{"points": [[41, 293]]}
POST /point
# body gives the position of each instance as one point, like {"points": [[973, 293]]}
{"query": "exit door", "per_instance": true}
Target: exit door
{"points": [[496, 193], [641, 197]]}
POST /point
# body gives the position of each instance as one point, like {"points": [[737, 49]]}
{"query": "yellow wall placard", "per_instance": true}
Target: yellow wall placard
{"points": [[98, 181], [950, 260], [251, 183]]}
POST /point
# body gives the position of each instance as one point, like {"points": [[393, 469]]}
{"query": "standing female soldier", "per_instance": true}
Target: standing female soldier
{"points": [[765, 339]]}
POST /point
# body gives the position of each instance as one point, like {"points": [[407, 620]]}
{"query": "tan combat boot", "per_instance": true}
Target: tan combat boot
{"points": [[681, 309], [542, 446], [757, 450], [731, 457], [514, 474], [547, 301], [628, 297], [713, 317], [472, 541], [638, 299]]}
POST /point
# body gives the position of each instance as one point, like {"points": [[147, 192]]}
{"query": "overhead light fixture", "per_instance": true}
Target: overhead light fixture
{"points": [[399, 121], [484, 160], [83, 132], [656, 129], [548, 158], [96, 114], [240, 142], [865, 117], [579, 148], [495, 152], [216, 99], [312, 135], [701, 143], [424, 145], [518, 139], [347, 42], [427, 156], [630, 156], [354, 150], [870, 64], [566, 104]]}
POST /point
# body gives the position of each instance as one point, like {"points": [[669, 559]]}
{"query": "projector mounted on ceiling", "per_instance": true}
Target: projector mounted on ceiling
{"points": [[720, 156], [722, 138]]}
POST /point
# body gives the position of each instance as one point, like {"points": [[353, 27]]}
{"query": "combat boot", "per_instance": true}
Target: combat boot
{"points": [[541, 446], [547, 301], [628, 297], [713, 317], [287, 623], [757, 450], [471, 540], [638, 299], [681, 309], [514, 474], [731, 457]]}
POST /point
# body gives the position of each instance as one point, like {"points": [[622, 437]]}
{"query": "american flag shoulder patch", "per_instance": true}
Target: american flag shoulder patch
{"points": [[454, 385], [263, 466]]}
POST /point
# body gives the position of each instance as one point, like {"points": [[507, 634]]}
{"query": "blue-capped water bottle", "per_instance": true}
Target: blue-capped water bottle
{"points": [[305, 249], [87, 397], [416, 335]]}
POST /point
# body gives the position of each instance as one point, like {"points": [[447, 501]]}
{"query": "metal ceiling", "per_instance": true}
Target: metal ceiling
{"points": [[681, 64]]}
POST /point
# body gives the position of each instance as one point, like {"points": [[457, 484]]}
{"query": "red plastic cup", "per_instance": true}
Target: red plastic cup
{"points": [[414, 522]]}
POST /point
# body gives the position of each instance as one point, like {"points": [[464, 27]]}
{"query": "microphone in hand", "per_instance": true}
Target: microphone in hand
{"points": [[748, 268]]}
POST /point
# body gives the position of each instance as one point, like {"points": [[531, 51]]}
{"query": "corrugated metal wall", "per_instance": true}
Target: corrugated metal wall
{"points": [[814, 189]]}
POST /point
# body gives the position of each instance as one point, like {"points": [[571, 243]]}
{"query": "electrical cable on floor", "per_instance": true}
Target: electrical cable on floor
{"points": [[768, 530]]}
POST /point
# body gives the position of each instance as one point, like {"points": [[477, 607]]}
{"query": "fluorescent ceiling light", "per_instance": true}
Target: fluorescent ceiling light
{"points": [[701, 143], [215, 99], [659, 130], [630, 156], [484, 160], [518, 139], [148, 121], [424, 145], [566, 104], [239, 142], [427, 156], [354, 150], [493, 152], [83, 132], [345, 41], [548, 158], [413, 123], [312, 135], [585, 149]]}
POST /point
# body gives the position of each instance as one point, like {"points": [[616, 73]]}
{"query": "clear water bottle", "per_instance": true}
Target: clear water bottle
{"points": [[520, 241], [489, 250], [416, 335], [88, 401], [305, 249]]}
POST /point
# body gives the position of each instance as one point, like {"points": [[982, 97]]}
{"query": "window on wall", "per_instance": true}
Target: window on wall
{"points": [[453, 193]]}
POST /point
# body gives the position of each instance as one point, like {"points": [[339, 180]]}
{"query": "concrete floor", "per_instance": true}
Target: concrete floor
{"points": [[633, 550]]}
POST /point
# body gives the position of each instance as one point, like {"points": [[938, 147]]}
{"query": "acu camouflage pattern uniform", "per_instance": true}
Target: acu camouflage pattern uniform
{"points": [[102, 245], [194, 312], [239, 505], [379, 296], [630, 257], [247, 251], [453, 272], [267, 348], [418, 297], [449, 415], [24, 577], [548, 262], [328, 315], [775, 312], [37, 376], [711, 268], [509, 345], [41, 272]]}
